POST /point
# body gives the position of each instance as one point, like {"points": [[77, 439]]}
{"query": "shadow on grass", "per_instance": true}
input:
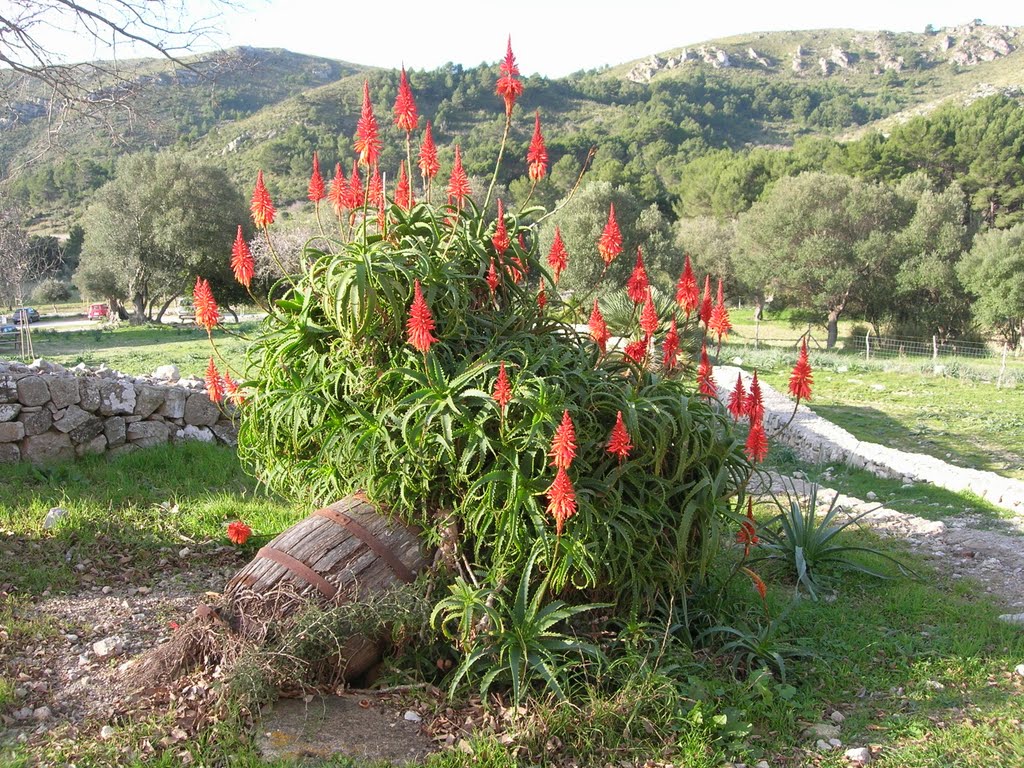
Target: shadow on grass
{"points": [[127, 514]]}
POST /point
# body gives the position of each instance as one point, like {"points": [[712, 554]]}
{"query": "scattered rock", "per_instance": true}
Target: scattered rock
{"points": [[822, 731], [108, 647], [42, 714], [1013, 618], [837, 717], [822, 746], [858, 755], [54, 516], [412, 717], [871, 496], [107, 732]]}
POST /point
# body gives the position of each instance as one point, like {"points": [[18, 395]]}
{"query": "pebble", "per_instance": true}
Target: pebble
{"points": [[835, 743], [823, 746], [412, 717], [871, 496], [762, 764], [935, 685], [42, 714], [107, 647], [858, 755], [54, 516], [1019, 670], [106, 732], [1013, 618], [837, 717], [71, 638]]}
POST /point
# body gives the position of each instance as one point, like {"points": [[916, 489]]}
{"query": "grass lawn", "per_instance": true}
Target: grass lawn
{"points": [[141, 349], [966, 422], [921, 670]]}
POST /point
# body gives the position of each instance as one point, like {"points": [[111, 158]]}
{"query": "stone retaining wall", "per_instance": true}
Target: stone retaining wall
{"points": [[48, 412], [820, 441]]}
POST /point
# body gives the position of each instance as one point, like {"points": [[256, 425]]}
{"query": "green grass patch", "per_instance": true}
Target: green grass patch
{"points": [[141, 349], [127, 514]]}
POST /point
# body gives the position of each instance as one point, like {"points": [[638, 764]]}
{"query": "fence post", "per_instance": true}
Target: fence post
{"points": [[1002, 368], [935, 349], [867, 345], [757, 332]]}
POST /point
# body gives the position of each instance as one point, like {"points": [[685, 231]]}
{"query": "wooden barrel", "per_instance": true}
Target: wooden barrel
{"points": [[334, 556]]}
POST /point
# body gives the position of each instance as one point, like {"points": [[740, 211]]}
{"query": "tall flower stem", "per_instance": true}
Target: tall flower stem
{"points": [[501, 154], [277, 260]]}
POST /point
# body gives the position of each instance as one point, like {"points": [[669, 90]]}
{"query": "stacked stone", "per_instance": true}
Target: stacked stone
{"points": [[48, 413]]}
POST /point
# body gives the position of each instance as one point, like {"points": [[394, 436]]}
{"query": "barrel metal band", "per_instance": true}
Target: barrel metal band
{"points": [[300, 569], [356, 529]]}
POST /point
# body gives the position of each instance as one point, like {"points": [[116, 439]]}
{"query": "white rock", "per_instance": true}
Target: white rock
{"points": [[1013, 618], [22, 714], [167, 373], [935, 685], [108, 647], [1019, 670], [823, 746], [412, 716], [107, 732], [871, 496], [42, 714], [823, 731], [835, 743], [858, 755], [54, 516], [837, 717], [762, 764]]}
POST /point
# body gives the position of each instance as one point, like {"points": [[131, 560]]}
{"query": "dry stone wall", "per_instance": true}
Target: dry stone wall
{"points": [[49, 413]]}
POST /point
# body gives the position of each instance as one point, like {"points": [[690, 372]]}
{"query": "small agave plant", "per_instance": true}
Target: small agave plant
{"points": [[808, 545]]}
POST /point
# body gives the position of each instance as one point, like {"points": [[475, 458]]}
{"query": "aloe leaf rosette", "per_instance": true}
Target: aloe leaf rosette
{"points": [[339, 401]]}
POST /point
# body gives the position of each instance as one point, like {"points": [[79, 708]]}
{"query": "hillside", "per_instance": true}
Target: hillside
{"points": [[253, 108]]}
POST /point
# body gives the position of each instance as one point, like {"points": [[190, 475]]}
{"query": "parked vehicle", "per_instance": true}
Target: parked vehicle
{"points": [[30, 312], [99, 311], [6, 326]]}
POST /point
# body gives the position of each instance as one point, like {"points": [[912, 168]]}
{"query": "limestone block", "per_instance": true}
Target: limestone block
{"points": [[199, 434], [11, 431], [147, 433], [88, 431], [9, 411], [9, 453], [9, 388], [200, 411], [147, 399], [74, 417], [117, 397], [114, 430], [174, 403], [226, 432], [36, 423], [32, 390], [94, 447], [89, 390], [64, 391], [49, 446]]}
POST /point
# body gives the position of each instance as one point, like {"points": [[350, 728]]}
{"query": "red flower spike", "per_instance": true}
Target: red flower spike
{"points": [[537, 154], [705, 376], [428, 162], [636, 351], [542, 299], [493, 281], [242, 263], [558, 257], [801, 379], [367, 143], [637, 285], [598, 328], [738, 399], [705, 302], [747, 534], [339, 193], [670, 350], [719, 321], [756, 447], [403, 192], [205, 305], [508, 87], [561, 500], [619, 443], [649, 317], [214, 383], [563, 444], [355, 189], [500, 237], [317, 190], [405, 106], [687, 292], [755, 405], [458, 184], [376, 189], [262, 206], [610, 243], [502, 391], [232, 391], [238, 532], [421, 322], [758, 583]]}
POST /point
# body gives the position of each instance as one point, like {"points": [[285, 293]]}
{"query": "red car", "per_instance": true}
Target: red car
{"points": [[98, 311]]}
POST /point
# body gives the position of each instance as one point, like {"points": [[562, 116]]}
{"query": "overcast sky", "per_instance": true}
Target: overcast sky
{"points": [[552, 38]]}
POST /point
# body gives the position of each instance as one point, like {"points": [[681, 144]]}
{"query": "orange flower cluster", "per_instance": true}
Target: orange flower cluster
{"points": [[801, 379], [405, 106], [207, 314], [561, 494], [508, 87], [598, 328], [610, 244], [238, 532], [638, 285], [705, 375], [458, 183], [619, 444], [500, 238], [537, 154], [420, 322], [502, 389], [687, 292], [242, 264], [558, 257]]}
